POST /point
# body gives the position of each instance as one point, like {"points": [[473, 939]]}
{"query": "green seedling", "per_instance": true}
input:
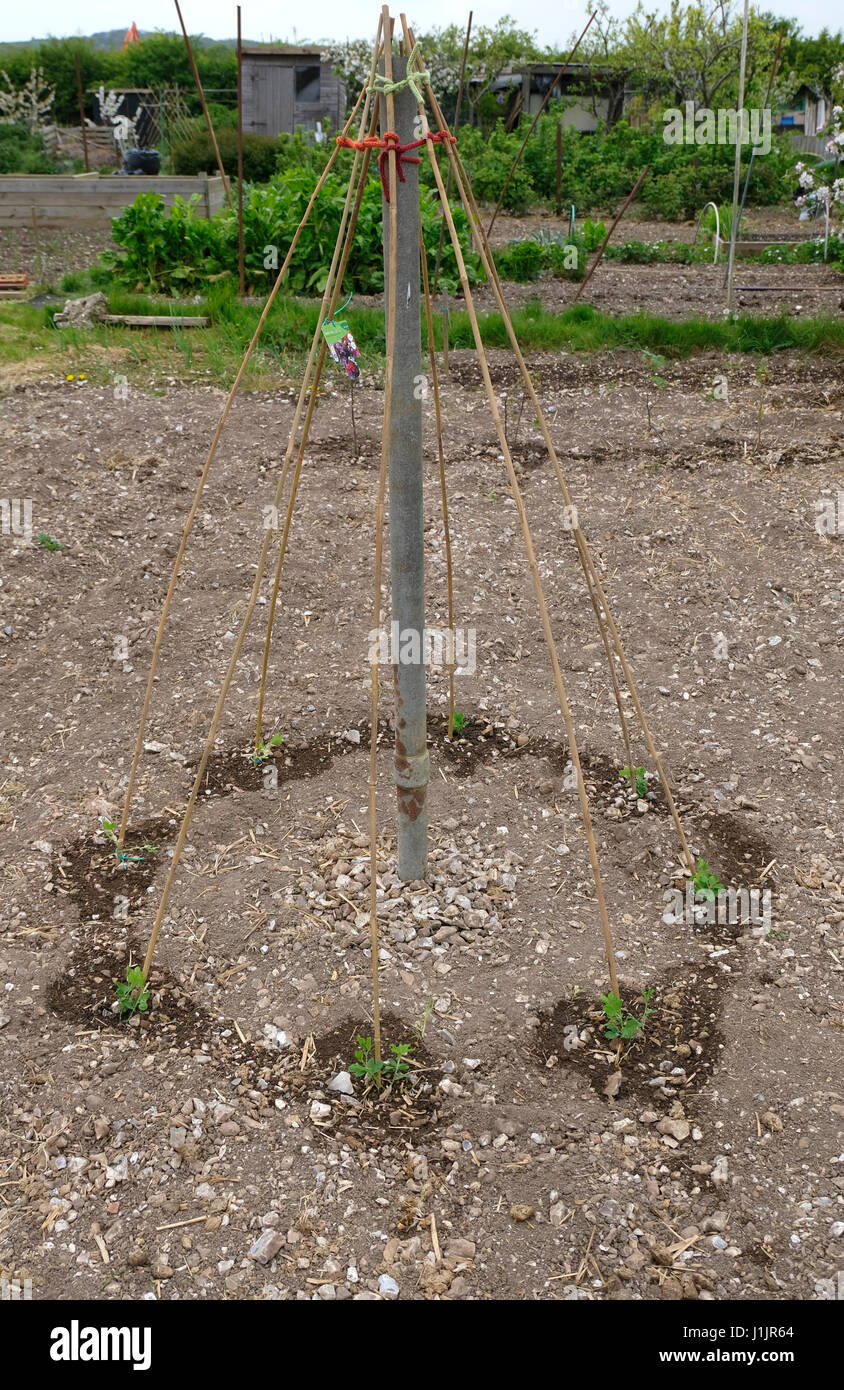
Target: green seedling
{"points": [[620, 1022], [110, 833], [655, 361], [706, 882], [109, 830], [265, 750], [365, 1064], [460, 721], [397, 1066], [421, 1026], [48, 542], [133, 996], [392, 1068], [636, 777]]}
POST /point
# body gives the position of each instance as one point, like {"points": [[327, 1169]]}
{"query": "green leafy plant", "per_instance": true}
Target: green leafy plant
{"points": [[397, 1066], [133, 996], [48, 543], [637, 778], [178, 252], [391, 1069], [649, 252], [600, 169], [461, 720], [196, 154], [520, 261], [620, 1022], [706, 881], [264, 750], [550, 250], [593, 234]]}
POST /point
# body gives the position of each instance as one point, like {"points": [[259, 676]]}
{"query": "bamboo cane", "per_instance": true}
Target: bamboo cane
{"points": [[204, 104]]}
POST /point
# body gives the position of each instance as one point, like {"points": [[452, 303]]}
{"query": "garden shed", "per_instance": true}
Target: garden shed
{"points": [[285, 89], [592, 94]]}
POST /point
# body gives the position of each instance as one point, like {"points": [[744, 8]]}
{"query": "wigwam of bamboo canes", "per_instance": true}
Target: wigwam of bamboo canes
{"points": [[586, 559], [203, 478], [241, 636], [527, 536]]}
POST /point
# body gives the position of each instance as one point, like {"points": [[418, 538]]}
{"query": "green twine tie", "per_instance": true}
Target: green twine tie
{"points": [[414, 80]]}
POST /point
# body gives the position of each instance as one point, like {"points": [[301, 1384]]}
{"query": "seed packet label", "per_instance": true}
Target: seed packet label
{"points": [[335, 331]]}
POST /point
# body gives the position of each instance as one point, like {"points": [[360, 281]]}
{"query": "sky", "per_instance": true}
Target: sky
{"points": [[336, 19]]}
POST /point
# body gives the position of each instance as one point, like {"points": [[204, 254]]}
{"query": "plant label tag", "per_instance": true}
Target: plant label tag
{"points": [[342, 347], [334, 331]]}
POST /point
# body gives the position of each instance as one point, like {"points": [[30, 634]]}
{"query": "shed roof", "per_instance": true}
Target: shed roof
{"points": [[282, 52]]}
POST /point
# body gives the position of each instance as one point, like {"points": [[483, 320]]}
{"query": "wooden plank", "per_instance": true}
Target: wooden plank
{"points": [[171, 183], [87, 195], [157, 320], [54, 217]]}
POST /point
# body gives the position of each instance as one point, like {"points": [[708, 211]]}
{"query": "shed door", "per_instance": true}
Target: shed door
{"points": [[255, 98], [268, 98], [279, 97]]}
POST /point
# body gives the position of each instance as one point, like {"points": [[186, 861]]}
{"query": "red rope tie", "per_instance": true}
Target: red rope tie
{"points": [[391, 143]]}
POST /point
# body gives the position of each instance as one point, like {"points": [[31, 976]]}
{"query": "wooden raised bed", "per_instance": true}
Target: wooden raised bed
{"points": [[51, 199]]}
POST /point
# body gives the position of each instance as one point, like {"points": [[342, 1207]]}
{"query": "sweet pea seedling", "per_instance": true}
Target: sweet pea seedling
{"points": [[620, 1023], [133, 996], [264, 750], [393, 1068], [706, 881], [636, 777]]}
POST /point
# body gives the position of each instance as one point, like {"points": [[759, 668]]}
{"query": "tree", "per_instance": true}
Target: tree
{"points": [[492, 49], [161, 60], [28, 105], [812, 61], [692, 53]]}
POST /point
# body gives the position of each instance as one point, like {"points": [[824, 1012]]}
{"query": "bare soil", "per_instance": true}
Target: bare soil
{"points": [[196, 1150]]}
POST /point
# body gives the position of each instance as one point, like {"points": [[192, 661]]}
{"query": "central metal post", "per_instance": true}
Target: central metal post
{"points": [[407, 562]]}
